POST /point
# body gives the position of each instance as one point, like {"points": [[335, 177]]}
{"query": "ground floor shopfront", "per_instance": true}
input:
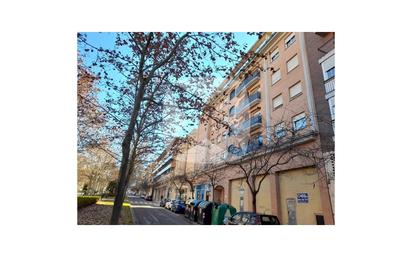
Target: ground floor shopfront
{"points": [[297, 196]]}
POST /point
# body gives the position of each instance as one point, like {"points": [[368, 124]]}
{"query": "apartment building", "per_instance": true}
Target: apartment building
{"points": [[287, 83]]}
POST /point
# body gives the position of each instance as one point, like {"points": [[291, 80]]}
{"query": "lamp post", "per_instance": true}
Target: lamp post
{"points": [[241, 193]]}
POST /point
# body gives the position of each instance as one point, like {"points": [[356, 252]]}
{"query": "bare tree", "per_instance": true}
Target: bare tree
{"points": [[178, 181], [96, 169]]}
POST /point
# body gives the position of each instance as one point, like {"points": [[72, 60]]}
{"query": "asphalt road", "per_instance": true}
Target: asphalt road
{"points": [[149, 213]]}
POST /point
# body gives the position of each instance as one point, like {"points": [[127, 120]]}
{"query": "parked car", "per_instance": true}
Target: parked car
{"points": [[142, 196], [168, 204], [178, 206], [251, 218], [149, 198], [163, 202]]}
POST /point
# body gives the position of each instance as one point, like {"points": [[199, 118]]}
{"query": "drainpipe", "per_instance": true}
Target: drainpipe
{"points": [[308, 83], [266, 86]]}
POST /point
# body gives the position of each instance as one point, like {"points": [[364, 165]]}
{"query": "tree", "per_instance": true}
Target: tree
{"points": [[89, 117], [96, 169], [159, 72], [111, 187], [178, 181]]}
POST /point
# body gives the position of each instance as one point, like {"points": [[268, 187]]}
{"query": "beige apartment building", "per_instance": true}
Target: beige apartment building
{"points": [[288, 83]]}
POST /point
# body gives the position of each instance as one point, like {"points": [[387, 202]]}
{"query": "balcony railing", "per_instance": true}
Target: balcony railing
{"points": [[248, 101], [252, 122], [330, 85], [248, 81]]}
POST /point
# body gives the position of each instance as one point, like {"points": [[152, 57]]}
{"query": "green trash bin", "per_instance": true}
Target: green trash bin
{"points": [[219, 212]]}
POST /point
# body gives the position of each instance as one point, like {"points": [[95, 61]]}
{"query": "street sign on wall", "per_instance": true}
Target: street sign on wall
{"points": [[303, 197]]}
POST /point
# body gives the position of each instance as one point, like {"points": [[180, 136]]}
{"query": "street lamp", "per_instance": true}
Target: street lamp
{"points": [[241, 193]]}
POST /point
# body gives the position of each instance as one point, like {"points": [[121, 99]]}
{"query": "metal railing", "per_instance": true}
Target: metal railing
{"points": [[255, 120], [253, 98], [254, 76]]}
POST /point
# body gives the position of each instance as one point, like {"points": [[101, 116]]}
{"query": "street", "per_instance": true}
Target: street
{"points": [[149, 213]]}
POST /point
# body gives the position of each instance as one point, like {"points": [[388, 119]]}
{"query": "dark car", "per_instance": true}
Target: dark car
{"points": [[251, 218], [149, 198], [178, 206]]}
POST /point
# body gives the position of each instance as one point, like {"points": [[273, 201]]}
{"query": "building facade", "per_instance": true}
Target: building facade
{"points": [[287, 82]]}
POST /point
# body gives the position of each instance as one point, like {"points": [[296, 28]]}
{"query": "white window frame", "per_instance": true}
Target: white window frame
{"points": [[289, 38], [279, 77], [279, 128], [290, 68], [276, 99], [297, 118], [297, 93], [275, 55], [327, 62]]}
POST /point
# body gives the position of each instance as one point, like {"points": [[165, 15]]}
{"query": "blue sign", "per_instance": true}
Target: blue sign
{"points": [[303, 197]]}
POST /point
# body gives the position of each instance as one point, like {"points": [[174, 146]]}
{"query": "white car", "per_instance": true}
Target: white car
{"points": [[168, 204]]}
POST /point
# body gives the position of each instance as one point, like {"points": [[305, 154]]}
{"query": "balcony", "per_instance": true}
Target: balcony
{"points": [[248, 102], [248, 81], [330, 87], [251, 123]]}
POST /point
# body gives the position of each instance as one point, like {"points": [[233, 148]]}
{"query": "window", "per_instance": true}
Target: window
{"points": [[328, 67], [290, 40], [277, 101], [330, 73], [275, 54], [254, 143], [295, 90], [232, 111], [280, 130], [299, 121], [276, 76], [292, 63], [232, 94]]}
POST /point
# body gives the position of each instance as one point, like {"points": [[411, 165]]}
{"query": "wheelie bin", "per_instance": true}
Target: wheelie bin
{"points": [[220, 212], [194, 211], [205, 213], [189, 208]]}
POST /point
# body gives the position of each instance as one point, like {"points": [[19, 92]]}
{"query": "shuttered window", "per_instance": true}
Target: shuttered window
{"points": [[232, 94], [295, 90], [328, 67], [292, 63], [275, 54], [277, 101], [290, 40], [299, 121], [276, 76], [232, 111]]}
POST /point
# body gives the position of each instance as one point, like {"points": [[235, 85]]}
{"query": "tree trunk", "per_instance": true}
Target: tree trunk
{"points": [[254, 201]]}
